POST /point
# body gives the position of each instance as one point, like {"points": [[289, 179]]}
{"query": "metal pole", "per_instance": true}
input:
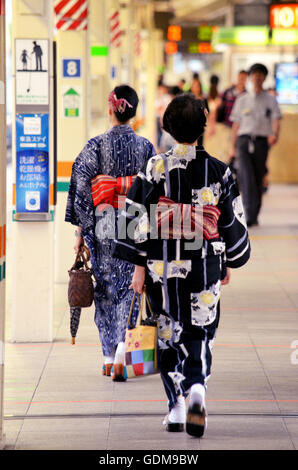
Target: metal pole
{"points": [[2, 209]]}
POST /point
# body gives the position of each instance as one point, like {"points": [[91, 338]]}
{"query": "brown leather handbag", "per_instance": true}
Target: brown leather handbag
{"points": [[80, 286]]}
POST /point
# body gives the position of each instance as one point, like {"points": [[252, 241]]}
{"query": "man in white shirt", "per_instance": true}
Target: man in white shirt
{"points": [[256, 123]]}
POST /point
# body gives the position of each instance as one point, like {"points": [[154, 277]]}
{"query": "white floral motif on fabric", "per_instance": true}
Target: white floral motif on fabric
{"points": [[207, 195], [178, 157], [167, 330], [142, 229], [176, 268], [177, 378], [238, 210], [204, 305], [218, 247]]}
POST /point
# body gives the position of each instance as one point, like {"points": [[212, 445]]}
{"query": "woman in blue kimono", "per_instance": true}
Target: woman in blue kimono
{"points": [[189, 230], [93, 205]]}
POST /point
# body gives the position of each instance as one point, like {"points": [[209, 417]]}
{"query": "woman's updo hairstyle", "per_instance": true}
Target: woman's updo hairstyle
{"points": [[185, 118], [124, 102]]}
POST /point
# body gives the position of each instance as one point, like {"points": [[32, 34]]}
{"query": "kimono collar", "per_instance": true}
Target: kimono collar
{"points": [[121, 129]]}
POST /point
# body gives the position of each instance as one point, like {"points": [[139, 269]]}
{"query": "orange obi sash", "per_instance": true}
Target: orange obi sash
{"points": [[177, 221], [107, 190]]}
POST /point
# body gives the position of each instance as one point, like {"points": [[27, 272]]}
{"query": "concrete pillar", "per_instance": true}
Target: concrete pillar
{"points": [[99, 65], [2, 209], [73, 74], [33, 242]]}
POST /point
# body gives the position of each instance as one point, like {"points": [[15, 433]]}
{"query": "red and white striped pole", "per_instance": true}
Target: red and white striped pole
{"points": [[115, 31], [71, 15]]}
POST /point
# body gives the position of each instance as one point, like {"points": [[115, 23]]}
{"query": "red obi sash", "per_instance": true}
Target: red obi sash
{"points": [[107, 190], [176, 221]]}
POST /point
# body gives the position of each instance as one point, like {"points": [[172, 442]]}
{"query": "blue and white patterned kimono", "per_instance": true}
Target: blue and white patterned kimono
{"points": [[117, 152]]}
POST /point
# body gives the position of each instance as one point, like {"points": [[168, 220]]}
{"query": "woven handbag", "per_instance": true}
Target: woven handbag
{"points": [[141, 342], [80, 286]]}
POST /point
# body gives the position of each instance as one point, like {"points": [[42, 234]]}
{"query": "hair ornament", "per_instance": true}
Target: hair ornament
{"points": [[118, 105]]}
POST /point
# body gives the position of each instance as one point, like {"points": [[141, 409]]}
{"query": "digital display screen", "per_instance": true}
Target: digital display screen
{"points": [[287, 83]]}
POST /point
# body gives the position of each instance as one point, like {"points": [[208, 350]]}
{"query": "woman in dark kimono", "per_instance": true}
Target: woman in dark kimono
{"points": [[183, 269], [113, 157]]}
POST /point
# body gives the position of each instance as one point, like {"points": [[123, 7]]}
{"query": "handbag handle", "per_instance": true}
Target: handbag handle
{"points": [[84, 255], [141, 303]]}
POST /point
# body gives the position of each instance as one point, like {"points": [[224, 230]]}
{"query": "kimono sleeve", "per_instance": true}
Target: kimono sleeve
{"points": [[133, 226], [79, 206], [232, 224]]}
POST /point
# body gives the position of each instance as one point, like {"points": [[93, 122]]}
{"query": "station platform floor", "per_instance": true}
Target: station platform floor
{"points": [[57, 399]]}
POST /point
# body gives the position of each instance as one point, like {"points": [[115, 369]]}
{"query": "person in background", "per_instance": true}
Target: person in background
{"points": [[256, 125], [161, 102], [214, 102], [182, 84], [223, 115], [183, 279], [197, 91], [113, 158], [229, 97]]}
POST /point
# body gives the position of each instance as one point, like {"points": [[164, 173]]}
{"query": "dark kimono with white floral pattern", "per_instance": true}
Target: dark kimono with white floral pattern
{"points": [[183, 281]]}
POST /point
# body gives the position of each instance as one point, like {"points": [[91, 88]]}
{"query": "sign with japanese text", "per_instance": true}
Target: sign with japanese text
{"points": [[32, 163]]}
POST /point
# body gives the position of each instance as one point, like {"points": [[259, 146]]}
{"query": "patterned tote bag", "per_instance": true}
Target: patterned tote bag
{"points": [[141, 342]]}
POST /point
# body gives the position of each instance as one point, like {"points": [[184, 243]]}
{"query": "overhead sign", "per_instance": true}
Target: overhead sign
{"points": [[32, 71], [284, 16], [32, 163], [174, 33], [255, 35], [71, 68]]}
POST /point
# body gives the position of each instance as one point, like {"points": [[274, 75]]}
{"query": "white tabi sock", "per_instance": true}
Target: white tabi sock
{"points": [[178, 413], [109, 359], [197, 395], [120, 354]]}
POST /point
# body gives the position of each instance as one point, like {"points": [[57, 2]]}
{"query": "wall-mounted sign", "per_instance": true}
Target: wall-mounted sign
{"points": [[284, 16], [71, 68], [32, 163], [32, 71], [72, 99]]}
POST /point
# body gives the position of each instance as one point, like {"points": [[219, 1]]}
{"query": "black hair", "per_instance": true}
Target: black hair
{"points": [[213, 92], [258, 68], [243, 71], [175, 90], [128, 93], [185, 118]]}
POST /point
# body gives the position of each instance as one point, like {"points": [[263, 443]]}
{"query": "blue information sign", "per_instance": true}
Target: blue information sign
{"points": [[32, 163], [71, 68]]}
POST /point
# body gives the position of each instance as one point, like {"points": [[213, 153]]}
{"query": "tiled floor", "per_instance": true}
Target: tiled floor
{"points": [[56, 397]]}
